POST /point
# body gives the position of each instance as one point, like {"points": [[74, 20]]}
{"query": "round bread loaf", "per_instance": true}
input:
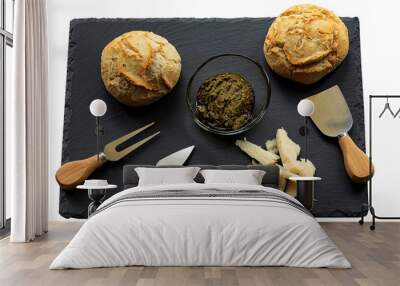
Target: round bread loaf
{"points": [[138, 67], [305, 43]]}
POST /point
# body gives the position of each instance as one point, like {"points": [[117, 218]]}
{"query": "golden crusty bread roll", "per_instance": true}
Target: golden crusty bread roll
{"points": [[138, 67], [305, 43]]}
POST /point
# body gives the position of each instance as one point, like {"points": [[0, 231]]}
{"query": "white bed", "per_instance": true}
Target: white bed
{"points": [[185, 230]]}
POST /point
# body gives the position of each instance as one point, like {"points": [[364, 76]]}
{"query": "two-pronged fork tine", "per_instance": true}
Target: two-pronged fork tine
{"points": [[76, 172], [110, 149]]}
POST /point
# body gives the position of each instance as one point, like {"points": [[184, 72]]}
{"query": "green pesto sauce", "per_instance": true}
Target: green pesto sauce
{"points": [[225, 101]]}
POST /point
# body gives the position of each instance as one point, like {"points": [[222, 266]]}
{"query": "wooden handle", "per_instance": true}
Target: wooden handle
{"points": [[75, 173], [356, 161]]}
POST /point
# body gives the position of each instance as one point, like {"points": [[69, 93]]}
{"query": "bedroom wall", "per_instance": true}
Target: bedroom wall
{"points": [[379, 43]]}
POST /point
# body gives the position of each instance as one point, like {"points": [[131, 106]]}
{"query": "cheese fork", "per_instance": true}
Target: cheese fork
{"points": [[74, 173]]}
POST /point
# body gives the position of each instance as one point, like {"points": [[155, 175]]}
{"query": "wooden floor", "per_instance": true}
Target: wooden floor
{"points": [[375, 257]]}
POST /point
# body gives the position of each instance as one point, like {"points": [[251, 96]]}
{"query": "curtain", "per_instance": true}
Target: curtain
{"points": [[27, 123]]}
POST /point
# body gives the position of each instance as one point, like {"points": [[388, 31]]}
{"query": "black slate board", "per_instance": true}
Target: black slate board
{"points": [[197, 40]]}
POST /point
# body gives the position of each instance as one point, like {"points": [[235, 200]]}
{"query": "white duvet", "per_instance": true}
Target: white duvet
{"points": [[200, 231]]}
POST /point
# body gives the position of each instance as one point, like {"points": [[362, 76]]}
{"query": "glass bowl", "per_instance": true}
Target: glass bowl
{"points": [[242, 65]]}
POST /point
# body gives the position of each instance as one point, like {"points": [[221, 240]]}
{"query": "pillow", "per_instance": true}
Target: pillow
{"points": [[165, 176], [246, 177]]}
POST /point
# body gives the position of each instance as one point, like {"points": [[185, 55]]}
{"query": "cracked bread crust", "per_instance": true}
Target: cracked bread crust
{"points": [[305, 43], [139, 67]]}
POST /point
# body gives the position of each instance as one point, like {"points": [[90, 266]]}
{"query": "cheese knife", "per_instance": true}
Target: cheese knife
{"points": [[74, 173], [177, 158], [333, 118]]}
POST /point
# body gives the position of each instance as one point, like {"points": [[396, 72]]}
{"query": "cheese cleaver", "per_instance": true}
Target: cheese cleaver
{"points": [[177, 158], [333, 118]]}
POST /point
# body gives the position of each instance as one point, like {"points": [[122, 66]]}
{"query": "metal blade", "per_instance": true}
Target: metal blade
{"points": [[331, 115], [177, 158], [110, 149]]}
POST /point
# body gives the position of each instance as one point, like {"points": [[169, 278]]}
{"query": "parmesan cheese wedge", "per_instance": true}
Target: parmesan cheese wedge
{"points": [[302, 168], [271, 146], [291, 188], [288, 150], [284, 175]]}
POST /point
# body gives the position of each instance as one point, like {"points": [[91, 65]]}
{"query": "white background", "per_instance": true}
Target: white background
{"points": [[380, 44]]}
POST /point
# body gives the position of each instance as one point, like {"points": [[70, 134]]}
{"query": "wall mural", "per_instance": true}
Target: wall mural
{"points": [[227, 86]]}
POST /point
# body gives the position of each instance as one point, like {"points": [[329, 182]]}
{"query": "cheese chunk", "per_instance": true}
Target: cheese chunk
{"points": [[302, 168], [256, 152], [271, 146], [284, 175], [291, 188], [288, 150]]}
